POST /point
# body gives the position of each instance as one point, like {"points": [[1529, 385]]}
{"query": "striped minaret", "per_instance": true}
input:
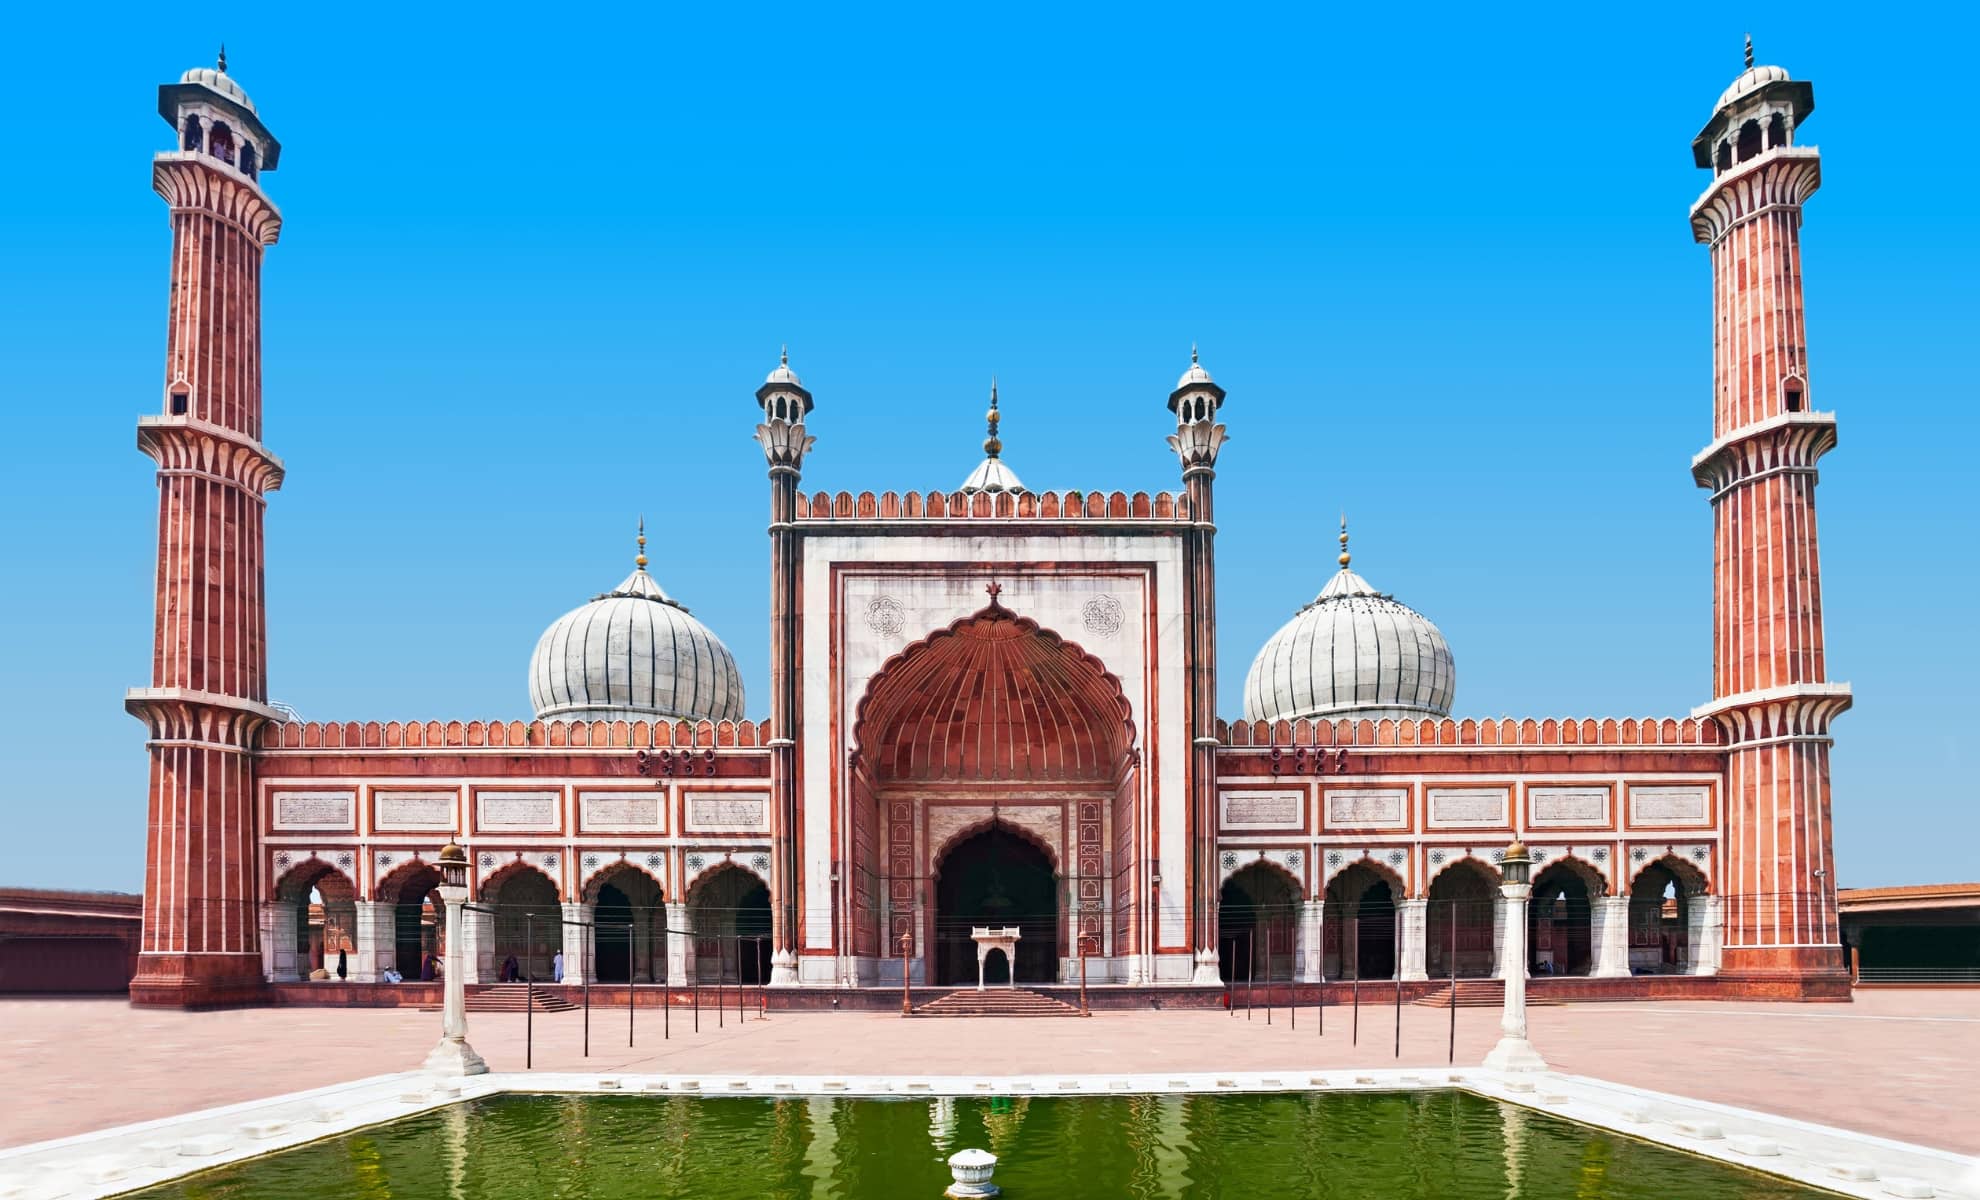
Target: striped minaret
{"points": [[209, 690], [1770, 688]]}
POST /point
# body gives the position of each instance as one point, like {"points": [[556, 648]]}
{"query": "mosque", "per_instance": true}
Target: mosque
{"points": [[991, 706]]}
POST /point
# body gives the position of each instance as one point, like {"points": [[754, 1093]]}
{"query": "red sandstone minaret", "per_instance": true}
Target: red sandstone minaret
{"points": [[1770, 687], [785, 404], [209, 690], [1197, 441]]}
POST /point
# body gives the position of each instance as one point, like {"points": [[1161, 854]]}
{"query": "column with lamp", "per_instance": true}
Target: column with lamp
{"points": [[1514, 1052], [453, 1056]]}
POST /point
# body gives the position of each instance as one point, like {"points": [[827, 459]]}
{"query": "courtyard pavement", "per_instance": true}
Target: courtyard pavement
{"points": [[1896, 1063]]}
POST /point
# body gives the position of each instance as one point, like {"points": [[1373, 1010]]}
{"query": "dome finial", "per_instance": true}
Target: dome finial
{"points": [[639, 560], [1344, 550], [993, 445], [1192, 354], [784, 355], [1749, 52], [222, 65]]}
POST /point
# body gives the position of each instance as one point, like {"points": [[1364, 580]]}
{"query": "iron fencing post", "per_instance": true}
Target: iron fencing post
{"points": [[1453, 967], [1396, 970], [529, 996]]}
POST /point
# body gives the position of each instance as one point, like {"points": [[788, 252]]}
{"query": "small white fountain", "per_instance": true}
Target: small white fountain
{"points": [[972, 1169]]}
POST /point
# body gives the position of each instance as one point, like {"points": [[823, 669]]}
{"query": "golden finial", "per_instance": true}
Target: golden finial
{"points": [[640, 560], [1749, 52], [223, 58], [993, 445], [1344, 549]]}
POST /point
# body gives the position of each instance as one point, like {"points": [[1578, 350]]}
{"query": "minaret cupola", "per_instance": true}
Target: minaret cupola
{"points": [[1195, 402], [216, 120], [1757, 113], [785, 403]]}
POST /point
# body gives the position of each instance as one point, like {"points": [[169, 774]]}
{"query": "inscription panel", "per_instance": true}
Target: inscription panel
{"points": [[1367, 808], [620, 812], [1262, 810], [1670, 805], [414, 810], [709, 811], [526, 812], [1565, 807], [1470, 808], [315, 810]]}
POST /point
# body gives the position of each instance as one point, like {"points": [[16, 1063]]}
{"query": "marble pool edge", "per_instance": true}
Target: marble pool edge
{"points": [[129, 1158]]}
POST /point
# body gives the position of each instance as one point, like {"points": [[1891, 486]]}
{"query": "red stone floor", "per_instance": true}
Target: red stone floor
{"points": [[1896, 1063]]}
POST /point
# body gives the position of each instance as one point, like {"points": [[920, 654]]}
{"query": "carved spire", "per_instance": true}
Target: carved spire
{"points": [[639, 560], [1749, 52], [221, 65]]}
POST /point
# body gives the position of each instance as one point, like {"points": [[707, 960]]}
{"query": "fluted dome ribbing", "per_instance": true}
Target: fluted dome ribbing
{"points": [[1353, 651], [220, 82], [633, 654]]}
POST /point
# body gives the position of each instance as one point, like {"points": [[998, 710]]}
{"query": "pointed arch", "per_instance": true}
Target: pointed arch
{"points": [[994, 696]]}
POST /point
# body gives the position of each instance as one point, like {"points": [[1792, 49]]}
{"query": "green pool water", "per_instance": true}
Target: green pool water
{"points": [[1447, 1145]]}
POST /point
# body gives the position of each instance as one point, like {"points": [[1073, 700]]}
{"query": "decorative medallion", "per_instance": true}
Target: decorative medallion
{"points": [[283, 860], [654, 861], [1294, 858], [550, 862], [695, 862], [1102, 615], [1230, 860], [1601, 854], [487, 861], [591, 862], [1700, 853], [1639, 856], [761, 862], [1396, 858], [1333, 858], [344, 860], [885, 616], [384, 860], [1437, 858], [1498, 856]]}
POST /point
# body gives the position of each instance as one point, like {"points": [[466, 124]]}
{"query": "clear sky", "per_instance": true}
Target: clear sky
{"points": [[535, 263]]}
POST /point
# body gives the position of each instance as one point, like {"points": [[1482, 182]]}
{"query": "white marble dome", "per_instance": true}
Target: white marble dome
{"points": [[220, 82], [1353, 652], [633, 654], [1750, 80]]}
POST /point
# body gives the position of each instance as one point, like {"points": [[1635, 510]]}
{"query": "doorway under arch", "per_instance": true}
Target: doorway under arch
{"points": [[1463, 910], [528, 922], [729, 911], [1360, 919], [325, 914], [1660, 911], [1257, 923], [996, 877], [628, 927], [419, 919], [1560, 920]]}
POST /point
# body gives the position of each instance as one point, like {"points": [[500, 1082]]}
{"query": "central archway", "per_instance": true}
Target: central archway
{"points": [[996, 877], [992, 715]]}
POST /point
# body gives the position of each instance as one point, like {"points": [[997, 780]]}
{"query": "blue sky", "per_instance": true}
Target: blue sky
{"points": [[533, 269]]}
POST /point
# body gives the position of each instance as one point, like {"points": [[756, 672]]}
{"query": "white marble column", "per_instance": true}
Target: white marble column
{"points": [[477, 957], [376, 938], [1514, 1052], [1608, 932], [1312, 942], [580, 946], [1413, 914], [1501, 966], [1705, 931], [680, 947], [278, 946]]}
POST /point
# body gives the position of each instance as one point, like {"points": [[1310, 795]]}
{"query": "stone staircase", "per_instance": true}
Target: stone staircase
{"points": [[995, 1002], [515, 998], [1478, 993]]}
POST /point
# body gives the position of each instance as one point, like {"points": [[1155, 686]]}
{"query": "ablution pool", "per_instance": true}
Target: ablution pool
{"points": [[1447, 1144]]}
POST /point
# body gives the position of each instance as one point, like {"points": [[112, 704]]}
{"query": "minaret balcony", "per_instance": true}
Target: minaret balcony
{"points": [[188, 444], [1787, 443], [1782, 177]]}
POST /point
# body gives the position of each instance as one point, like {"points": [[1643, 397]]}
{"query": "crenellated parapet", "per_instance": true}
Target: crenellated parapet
{"points": [[1780, 179], [189, 180], [1788, 443], [1020, 506], [514, 735], [1694, 730], [190, 446]]}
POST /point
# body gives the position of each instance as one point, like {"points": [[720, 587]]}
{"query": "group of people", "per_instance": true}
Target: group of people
{"points": [[512, 971]]}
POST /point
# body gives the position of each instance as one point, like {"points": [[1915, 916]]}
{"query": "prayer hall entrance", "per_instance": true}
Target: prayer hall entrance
{"points": [[996, 878]]}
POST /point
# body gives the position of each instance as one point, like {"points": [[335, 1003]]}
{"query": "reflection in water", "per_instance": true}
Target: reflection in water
{"points": [[1442, 1145]]}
